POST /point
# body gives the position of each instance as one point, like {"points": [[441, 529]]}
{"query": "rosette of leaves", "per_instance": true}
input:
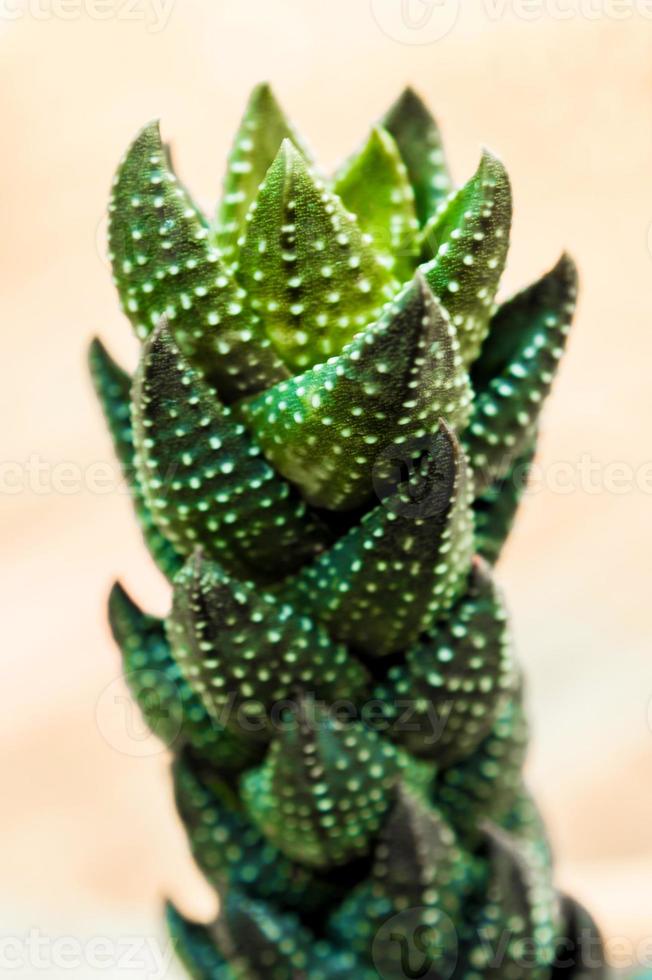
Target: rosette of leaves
{"points": [[326, 439]]}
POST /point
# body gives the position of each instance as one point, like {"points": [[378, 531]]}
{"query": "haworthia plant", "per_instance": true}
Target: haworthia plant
{"points": [[327, 438]]}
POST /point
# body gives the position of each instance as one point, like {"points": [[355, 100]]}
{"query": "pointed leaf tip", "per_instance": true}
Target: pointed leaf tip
{"points": [[394, 573], [263, 129], [221, 631], [204, 480], [515, 371], [309, 273], [324, 789], [164, 264], [419, 141], [327, 428], [469, 238], [374, 185]]}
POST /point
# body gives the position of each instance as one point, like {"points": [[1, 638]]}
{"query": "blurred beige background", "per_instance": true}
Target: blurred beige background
{"points": [[88, 839]]}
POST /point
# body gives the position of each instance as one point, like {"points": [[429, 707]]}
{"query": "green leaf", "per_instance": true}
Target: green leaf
{"points": [[419, 141], [418, 877], [205, 482], [374, 185], [326, 429], [309, 272], [171, 709], [231, 851], [197, 948], [113, 388], [520, 906], [495, 509], [456, 679], [469, 238], [403, 565], [324, 790], [165, 266], [507, 408], [516, 322], [487, 783], [263, 128], [273, 945], [246, 653]]}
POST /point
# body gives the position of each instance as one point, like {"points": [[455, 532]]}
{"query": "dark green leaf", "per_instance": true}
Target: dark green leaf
{"points": [[205, 482], [419, 141], [395, 572], [165, 266], [113, 389]]}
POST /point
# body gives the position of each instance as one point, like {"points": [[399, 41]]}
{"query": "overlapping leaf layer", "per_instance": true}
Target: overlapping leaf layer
{"points": [[326, 439]]}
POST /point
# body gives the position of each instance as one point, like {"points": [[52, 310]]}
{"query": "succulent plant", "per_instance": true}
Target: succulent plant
{"points": [[326, 439]]}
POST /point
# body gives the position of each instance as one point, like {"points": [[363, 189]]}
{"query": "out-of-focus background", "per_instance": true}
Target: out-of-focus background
{"points": [[89, 843]]}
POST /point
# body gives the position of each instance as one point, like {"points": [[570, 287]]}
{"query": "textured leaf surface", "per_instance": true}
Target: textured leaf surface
{"points": [[418, 877], [374, 185], [530, 331], [468, 238], [487, 783], [516, 930], [164, 266], [171, 709], [263, 128], [495, 509], [245, 654], [309, 272], [231, 850], [325, 429], [274, 945], [205, 482], [324, 789], [113, 389], [419, 141], [392, 574], [456, 679]]}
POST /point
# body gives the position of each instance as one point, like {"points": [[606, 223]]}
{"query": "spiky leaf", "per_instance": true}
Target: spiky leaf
{"points": [[262, 129], [391, 575], [113, 388], [374, 185], [456, 679], [530, 332], [326, 428], [487, 783], [324, 789], [495, 509], [515, 931], [418, 877], [468, 238], [165, 266], [246, 654], [309, 272], [170, 707], [269, 944], [204, 480], [231, 850], [419, 141]]}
